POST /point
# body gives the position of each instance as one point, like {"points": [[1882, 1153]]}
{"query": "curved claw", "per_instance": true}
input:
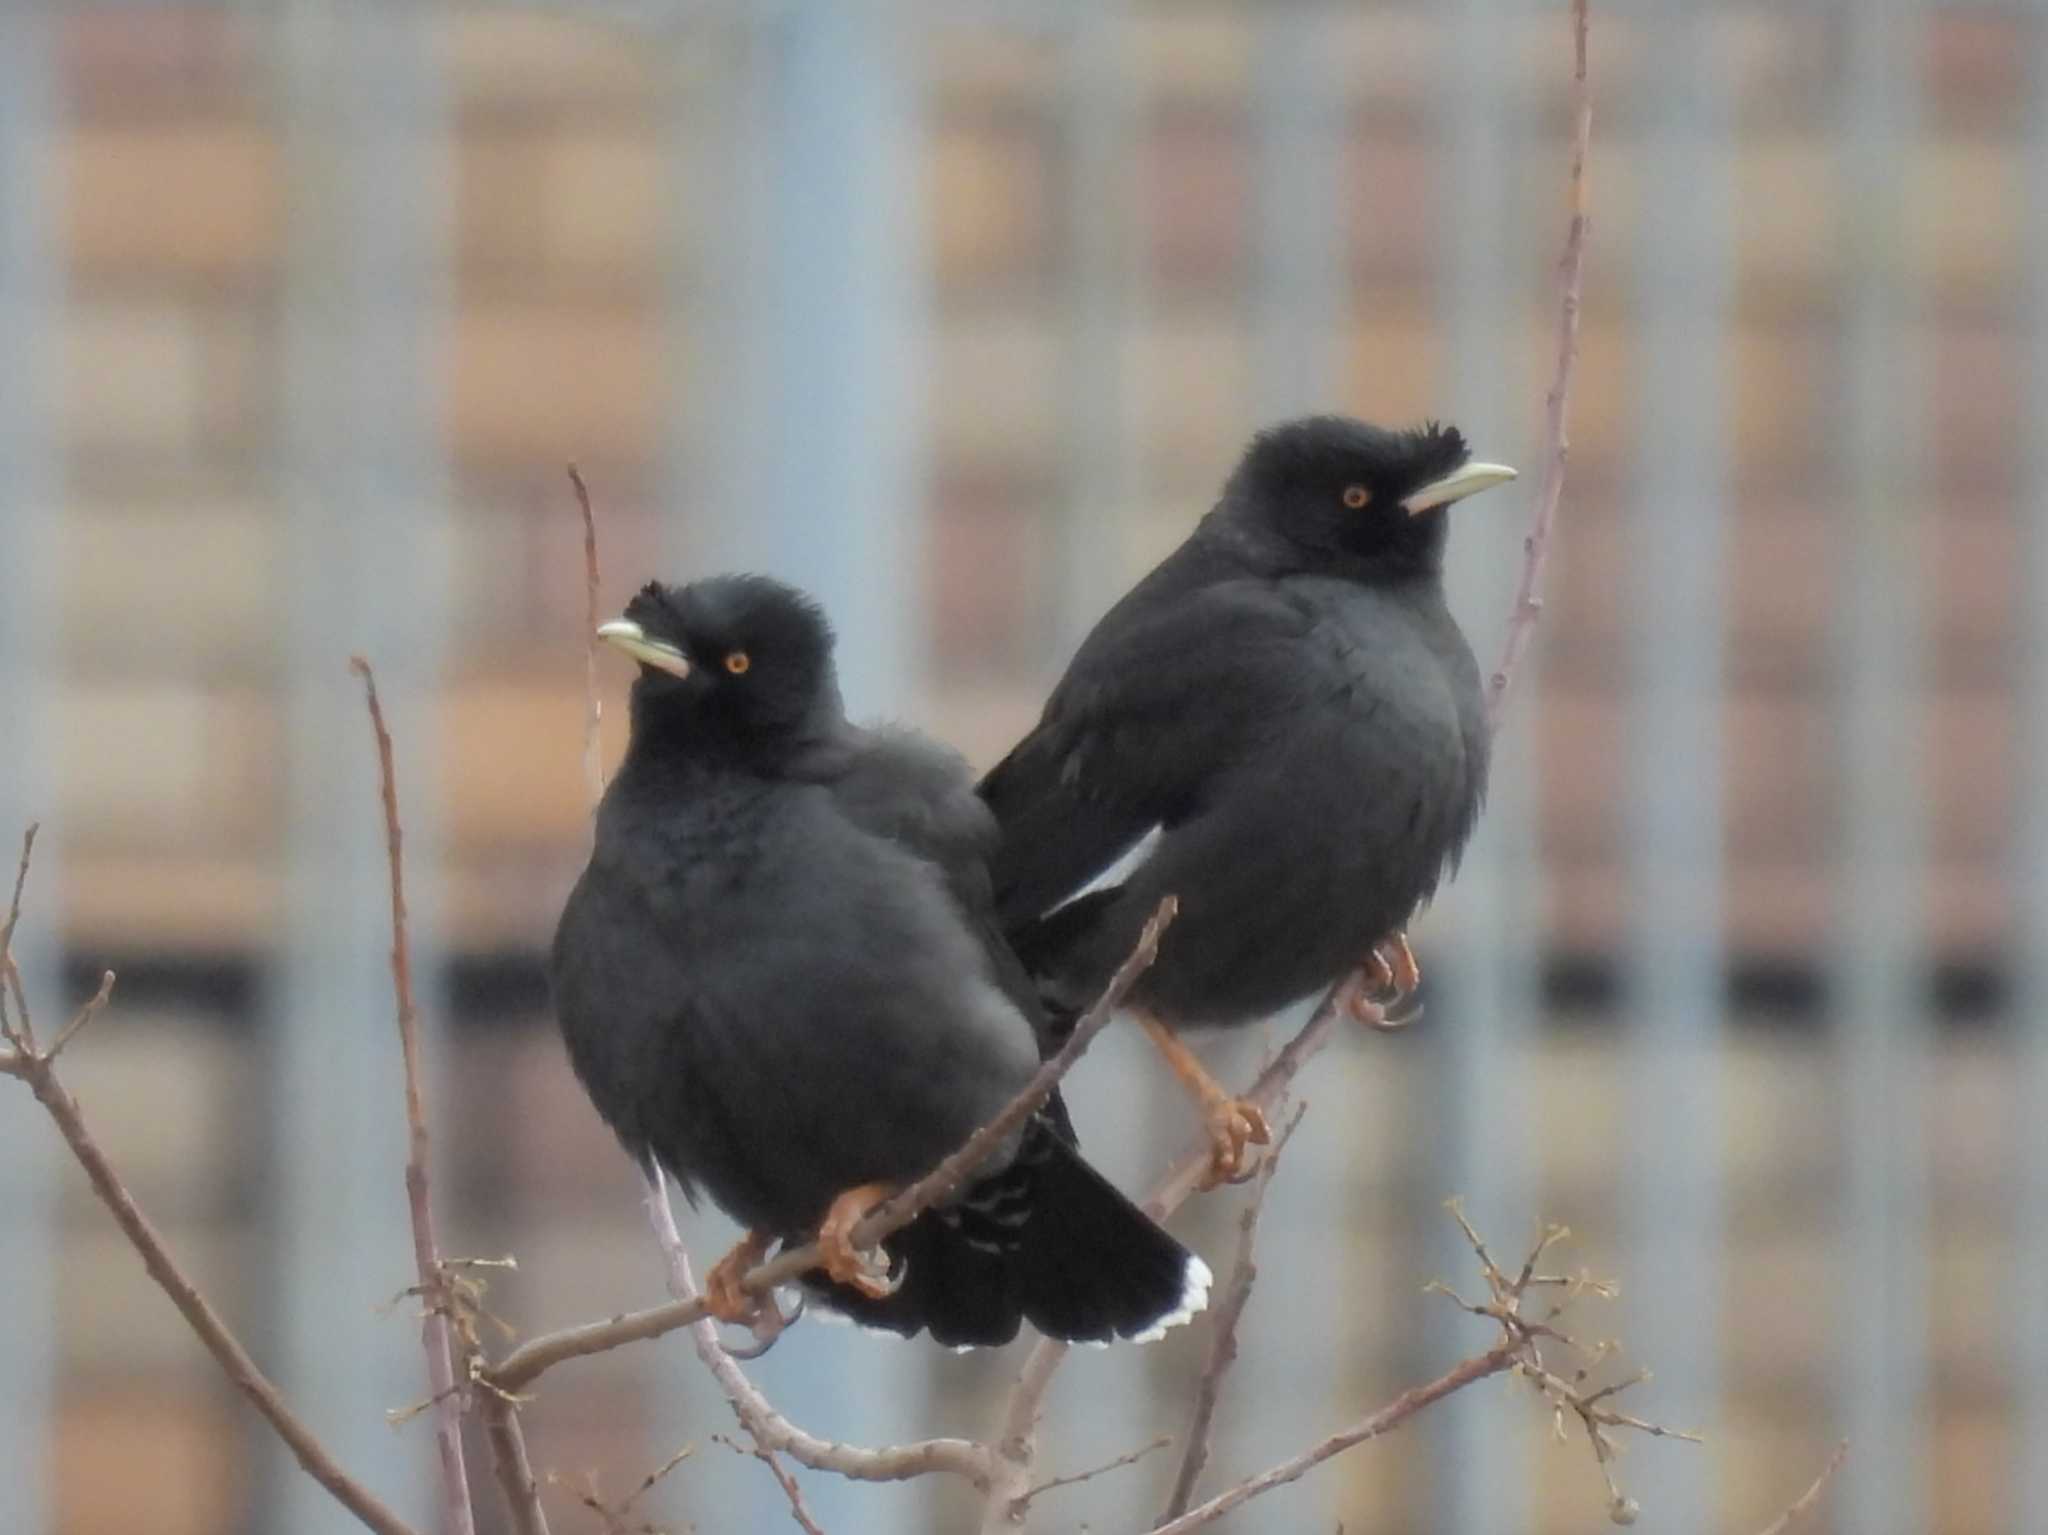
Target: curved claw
{"points": [[769, 1324], [1387, 977], [1234, 1126]]}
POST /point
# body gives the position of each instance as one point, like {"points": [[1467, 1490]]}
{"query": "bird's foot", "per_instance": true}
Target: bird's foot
{"points": [[1399, 960], [1386, 980], [1235, 1125], [843, 1262], [722, 1293]]}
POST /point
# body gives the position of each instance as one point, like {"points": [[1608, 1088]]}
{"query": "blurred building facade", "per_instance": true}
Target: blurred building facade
{"points": [[961, 317]]}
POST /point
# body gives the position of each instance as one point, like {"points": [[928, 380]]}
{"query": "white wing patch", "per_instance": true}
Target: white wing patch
{"points": [[1117, 871]]}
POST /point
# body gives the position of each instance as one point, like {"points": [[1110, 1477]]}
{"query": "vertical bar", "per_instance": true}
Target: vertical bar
{"points": [[31, 482], [1102, 108], [2029, 869], [1100, 116], [811, 467], [365, 132], [823, 482], [1879, 949], [1300, 307], [1673, 817], [1491, 992], [1300, 317], [721, 290]]}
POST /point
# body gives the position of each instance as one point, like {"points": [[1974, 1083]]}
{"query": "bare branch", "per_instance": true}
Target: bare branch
{"points": [[36, 1070], [593, 706], [1405, 1406], [1244, 1274], [20, 1033], [1570, 278], [798, 1509], [92, 1009], [615, 1515], [1104, 1469], [449, 1400], [771, 1432], [28, 851], [525, 1364], [514, 1471], [1809, 1499], [775, 1434], [1015, 1446]]}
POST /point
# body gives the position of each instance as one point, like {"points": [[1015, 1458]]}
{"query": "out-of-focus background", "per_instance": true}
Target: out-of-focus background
{"points": [[958, 314]]}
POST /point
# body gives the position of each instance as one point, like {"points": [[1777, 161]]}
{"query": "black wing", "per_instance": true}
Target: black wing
{"points": [[1153, 706], [919, 794]]}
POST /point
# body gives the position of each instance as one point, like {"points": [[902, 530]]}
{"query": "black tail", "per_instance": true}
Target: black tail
{"points": [[1050, 1241], [1090, 1265]]}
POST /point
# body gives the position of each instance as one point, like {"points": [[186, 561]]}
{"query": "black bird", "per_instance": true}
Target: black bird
{"points": [[1282, 725], [780, 978]]}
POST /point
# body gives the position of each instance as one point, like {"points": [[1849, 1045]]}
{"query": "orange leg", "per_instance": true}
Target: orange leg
{"points": [[843, 1261], [1233, 1124], [728, 1302]]}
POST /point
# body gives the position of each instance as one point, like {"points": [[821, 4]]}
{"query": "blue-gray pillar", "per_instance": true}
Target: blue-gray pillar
{"points": [[799, 452], [363, 488], [1879, 955], [1299, 307], [1484, 1011], [816, 375], [1677, 530], [1103, 308], [2029, 865], [31, 481]]}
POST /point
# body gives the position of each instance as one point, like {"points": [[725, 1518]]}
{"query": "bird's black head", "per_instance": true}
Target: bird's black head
{"points": [[732, 661], [1346, 494]]}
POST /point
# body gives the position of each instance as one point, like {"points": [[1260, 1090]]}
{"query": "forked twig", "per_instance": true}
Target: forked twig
{"points": [[436, 1335], [1571, 267], [1244, 1273], [1808, 1500], [1129, 1458], [25, 1062]]}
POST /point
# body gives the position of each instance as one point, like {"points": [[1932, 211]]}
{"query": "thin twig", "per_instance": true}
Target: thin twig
{"points": [[593, 706], [92, 1009], [1405, 1406], [1244, 1274], [36, 1070], [798, 1509], [435, 1334], [20, 1033], [1016, 1446], [1809, 1499], [1570, 275], [615, 1515], [525, 1364], [1076, 1478], [28, 850]]}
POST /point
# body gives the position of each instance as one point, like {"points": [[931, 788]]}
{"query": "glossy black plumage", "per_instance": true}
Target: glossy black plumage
{"points": [[1288, 701], [780, 976]]}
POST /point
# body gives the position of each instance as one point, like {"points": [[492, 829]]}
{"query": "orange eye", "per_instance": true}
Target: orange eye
{"points": [[1355, 497], [737, 663]]}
